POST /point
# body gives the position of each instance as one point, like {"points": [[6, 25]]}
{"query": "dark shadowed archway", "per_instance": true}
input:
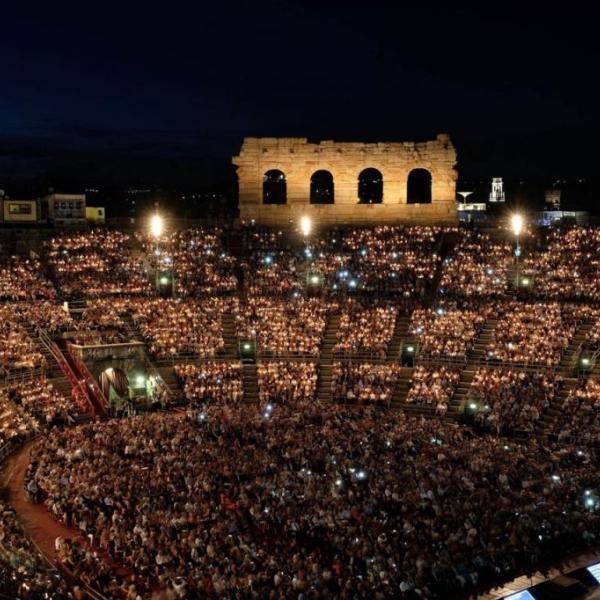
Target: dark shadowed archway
{"points": [[418, 187], [274, 187], [370, 186], [321, 188]]}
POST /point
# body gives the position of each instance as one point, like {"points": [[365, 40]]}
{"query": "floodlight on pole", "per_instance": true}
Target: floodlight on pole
{"points": [[305, 226], [516, 224], [157, 226]]}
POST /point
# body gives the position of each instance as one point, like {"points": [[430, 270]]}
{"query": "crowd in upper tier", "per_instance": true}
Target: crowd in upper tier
{"points": [[478, 267], [365, 330], [293, 327], [536, 334], [567, 266], [182, 326], [196, 258], [96, 263], [29, 406], [315, 500], [23, 279], [448, 332]]}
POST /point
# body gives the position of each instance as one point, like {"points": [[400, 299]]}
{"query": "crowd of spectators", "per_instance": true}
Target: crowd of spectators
{"points": [[447, 332], [211, 382], [273, 272], [318, 501], [535, 334], [293, 327], [364, 382], [567, 266], [17, 350], [22, 278], [508, 400], [39, 399], [365, 330], [31, 405], [393, 258], [24, 573], [286, 382], [96, 263], [432, 387], [579, 418], [16, 424], [478, 267], [196, 257], [296, 497], [182, 326]]}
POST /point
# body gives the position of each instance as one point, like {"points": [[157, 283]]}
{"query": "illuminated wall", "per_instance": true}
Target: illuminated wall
{"points": [[298, 160]]}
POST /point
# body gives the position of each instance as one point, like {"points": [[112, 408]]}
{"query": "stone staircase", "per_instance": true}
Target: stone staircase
{"points": [[229, 335], [167, 373], [326, 359], [477, 354], [461, 392], [445, 246], [61, 384], [551, 413], [568, 362], [329, 339], [132, 331], [53, 371], [400, 332], [250, 382], [324, 382], [401, 390]]}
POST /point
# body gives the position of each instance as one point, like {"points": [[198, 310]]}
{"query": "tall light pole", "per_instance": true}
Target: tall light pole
{"points": [[157, 227], [516, 224]]}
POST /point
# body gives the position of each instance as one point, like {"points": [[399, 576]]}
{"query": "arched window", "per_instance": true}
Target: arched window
{"points": [[274, 187], [321, 188], [418, 188], [370, 187]]}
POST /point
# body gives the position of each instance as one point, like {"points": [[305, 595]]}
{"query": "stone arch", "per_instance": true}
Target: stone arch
{"points": [[370, 186], [274, 187], [322, 187], [418, 187]]}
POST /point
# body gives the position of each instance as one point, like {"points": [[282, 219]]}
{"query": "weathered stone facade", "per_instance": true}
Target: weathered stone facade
{"points": [[298, 160]]}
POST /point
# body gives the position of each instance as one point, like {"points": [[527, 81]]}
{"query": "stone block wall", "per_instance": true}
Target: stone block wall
{"points": [[298, 160]]}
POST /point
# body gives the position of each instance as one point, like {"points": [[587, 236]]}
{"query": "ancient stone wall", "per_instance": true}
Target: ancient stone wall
{"points": [[298, 160]]}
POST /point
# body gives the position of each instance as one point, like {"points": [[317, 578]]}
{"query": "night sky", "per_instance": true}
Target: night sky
{"points": [[107, 88]]}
